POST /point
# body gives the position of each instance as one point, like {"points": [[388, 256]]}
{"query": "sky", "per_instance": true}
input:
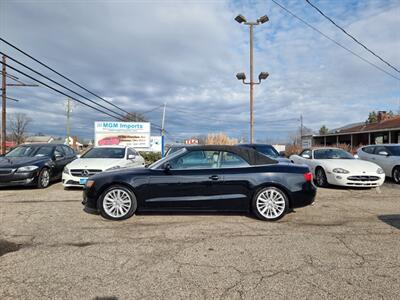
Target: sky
{"points": [[142, 54]]}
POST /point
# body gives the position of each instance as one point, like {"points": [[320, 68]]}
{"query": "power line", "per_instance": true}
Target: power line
{"points": [[61, 85], [58, 91], [353, 38], [59, 74], [337, 43]]}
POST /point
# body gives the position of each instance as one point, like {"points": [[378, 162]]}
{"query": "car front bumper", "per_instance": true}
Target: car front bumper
{"points": [[69, 180], [364, 180]]}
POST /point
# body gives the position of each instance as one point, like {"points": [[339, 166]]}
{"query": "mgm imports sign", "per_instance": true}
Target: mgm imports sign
{"points": [[134, 134]]}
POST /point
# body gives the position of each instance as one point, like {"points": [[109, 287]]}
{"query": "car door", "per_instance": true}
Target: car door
{"points": [[383, 159], [235, 188], [60, 161], [190, 182]]}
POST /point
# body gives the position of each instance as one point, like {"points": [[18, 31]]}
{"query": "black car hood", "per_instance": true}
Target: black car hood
{"points": [[122, 171], [16, 162]]}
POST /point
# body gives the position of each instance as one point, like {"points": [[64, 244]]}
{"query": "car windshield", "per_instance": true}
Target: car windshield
{"points": [[332, 154], [267, 150], [173, 149], [30, 151], [105, 153], [394, 150], [161, 161]]}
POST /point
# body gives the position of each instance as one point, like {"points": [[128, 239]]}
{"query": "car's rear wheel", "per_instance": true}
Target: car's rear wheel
{"points": [[320, 178], [270, 204], [117, 203], [396, 174], [43, 178]]}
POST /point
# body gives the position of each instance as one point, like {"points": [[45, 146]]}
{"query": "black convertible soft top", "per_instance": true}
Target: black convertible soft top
{"points": [[248, 154]]}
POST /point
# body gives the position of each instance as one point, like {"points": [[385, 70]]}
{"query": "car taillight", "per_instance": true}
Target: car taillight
{"points": [[308, 176]]}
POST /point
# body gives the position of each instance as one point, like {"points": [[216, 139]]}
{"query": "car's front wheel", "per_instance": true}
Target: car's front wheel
{"points": [[117, 203], [270, 204], [43, 178], [396, 174], [320, 177]]}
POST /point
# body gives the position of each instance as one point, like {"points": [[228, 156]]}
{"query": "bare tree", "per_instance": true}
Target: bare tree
{"points": [[18, 124], [134, 117], [295, 137]]}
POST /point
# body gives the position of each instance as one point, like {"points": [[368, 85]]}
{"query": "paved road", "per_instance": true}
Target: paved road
{"points": [[347, 245]]}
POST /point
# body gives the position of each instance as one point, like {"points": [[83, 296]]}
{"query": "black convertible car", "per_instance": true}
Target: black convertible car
{"points": [[34, 164], [203, 178]]}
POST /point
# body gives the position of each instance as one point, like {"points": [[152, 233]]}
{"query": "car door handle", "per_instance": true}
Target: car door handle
{"points": [[214, 177]]}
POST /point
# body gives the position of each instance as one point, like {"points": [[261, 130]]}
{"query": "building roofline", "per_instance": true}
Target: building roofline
{"points": [[355, 132]]}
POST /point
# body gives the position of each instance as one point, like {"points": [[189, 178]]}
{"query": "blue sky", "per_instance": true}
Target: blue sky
{"points": [[140, 54]]}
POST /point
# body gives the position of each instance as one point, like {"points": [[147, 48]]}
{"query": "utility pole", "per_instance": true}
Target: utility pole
{"points": [[68, 111], [163, 130], [301, 129], [241, 76], [3, 106], [4, 98]]}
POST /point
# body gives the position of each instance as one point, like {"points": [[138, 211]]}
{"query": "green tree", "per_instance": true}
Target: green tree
{"points": [[372, 117], [323, 130]]}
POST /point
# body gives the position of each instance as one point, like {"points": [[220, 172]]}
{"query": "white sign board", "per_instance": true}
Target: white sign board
{"points": [[134, 134]]}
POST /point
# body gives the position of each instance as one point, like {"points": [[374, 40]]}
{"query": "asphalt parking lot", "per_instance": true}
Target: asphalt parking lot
{"points": [[345, 246]]}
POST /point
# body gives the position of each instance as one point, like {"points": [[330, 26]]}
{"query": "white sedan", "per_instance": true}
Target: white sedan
{"points": [[99, 159], [338, 167]]}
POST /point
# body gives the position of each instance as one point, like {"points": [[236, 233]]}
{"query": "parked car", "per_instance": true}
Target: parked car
{"points": [[338, 167], [267, 150], [34, 164], [386, 156], [99, 159], [203, 178]]}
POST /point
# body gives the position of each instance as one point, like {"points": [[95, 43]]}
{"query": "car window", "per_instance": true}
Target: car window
{"points": [[68, 151], [44, 151], [22, 151], [198, 159], [105, 152], [307, 152], [59, 151], [394, 150], [232, 160], [368, 150], [332, 154], [379, 149], [267, 150], [132, 152]]}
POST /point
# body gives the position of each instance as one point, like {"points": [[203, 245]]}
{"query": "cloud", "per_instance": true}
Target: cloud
{"points": [[141, 55]]}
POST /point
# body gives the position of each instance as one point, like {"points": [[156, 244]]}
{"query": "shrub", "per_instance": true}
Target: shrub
{"points": [[292, 149], [150, 157]]}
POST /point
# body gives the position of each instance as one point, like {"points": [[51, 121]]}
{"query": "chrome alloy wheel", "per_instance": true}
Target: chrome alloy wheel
{"points": [[271, 203], [117, 203], [320, 177], [45, 178]]}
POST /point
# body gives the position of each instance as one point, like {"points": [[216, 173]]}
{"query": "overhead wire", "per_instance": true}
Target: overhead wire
{"points": [[334, 41], [352, 37]]}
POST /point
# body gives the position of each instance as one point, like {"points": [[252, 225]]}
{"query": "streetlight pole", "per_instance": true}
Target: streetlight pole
{"points": [[241, 76]]}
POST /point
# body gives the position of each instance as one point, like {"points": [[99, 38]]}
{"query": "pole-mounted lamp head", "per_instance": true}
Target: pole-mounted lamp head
{"points": [[263, 19], [241, 76], [262, 76], [240, 19]]}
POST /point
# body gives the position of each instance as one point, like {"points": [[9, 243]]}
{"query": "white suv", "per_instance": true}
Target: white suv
{"points": [[387, 156], [99, 159]]}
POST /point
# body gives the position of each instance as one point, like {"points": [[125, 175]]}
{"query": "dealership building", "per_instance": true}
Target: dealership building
{"points": [[385, 130]]}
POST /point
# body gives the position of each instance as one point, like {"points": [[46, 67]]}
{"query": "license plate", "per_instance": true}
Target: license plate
{"points": [[82, 180]]}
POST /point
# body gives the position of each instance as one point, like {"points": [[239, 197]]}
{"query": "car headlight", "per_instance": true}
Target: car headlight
{"points": [[380, 171], [27, 169], [66, 170], [340, 171]]}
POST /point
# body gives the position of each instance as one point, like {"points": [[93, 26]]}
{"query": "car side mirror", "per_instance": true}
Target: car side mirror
{"points": [[306, 156], [78, 156], [383, 153], [282, 154], [167, 167], [58, 156], [131, 156]]}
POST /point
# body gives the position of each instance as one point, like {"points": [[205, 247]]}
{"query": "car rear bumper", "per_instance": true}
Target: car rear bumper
{"points": [[304, 197]]}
